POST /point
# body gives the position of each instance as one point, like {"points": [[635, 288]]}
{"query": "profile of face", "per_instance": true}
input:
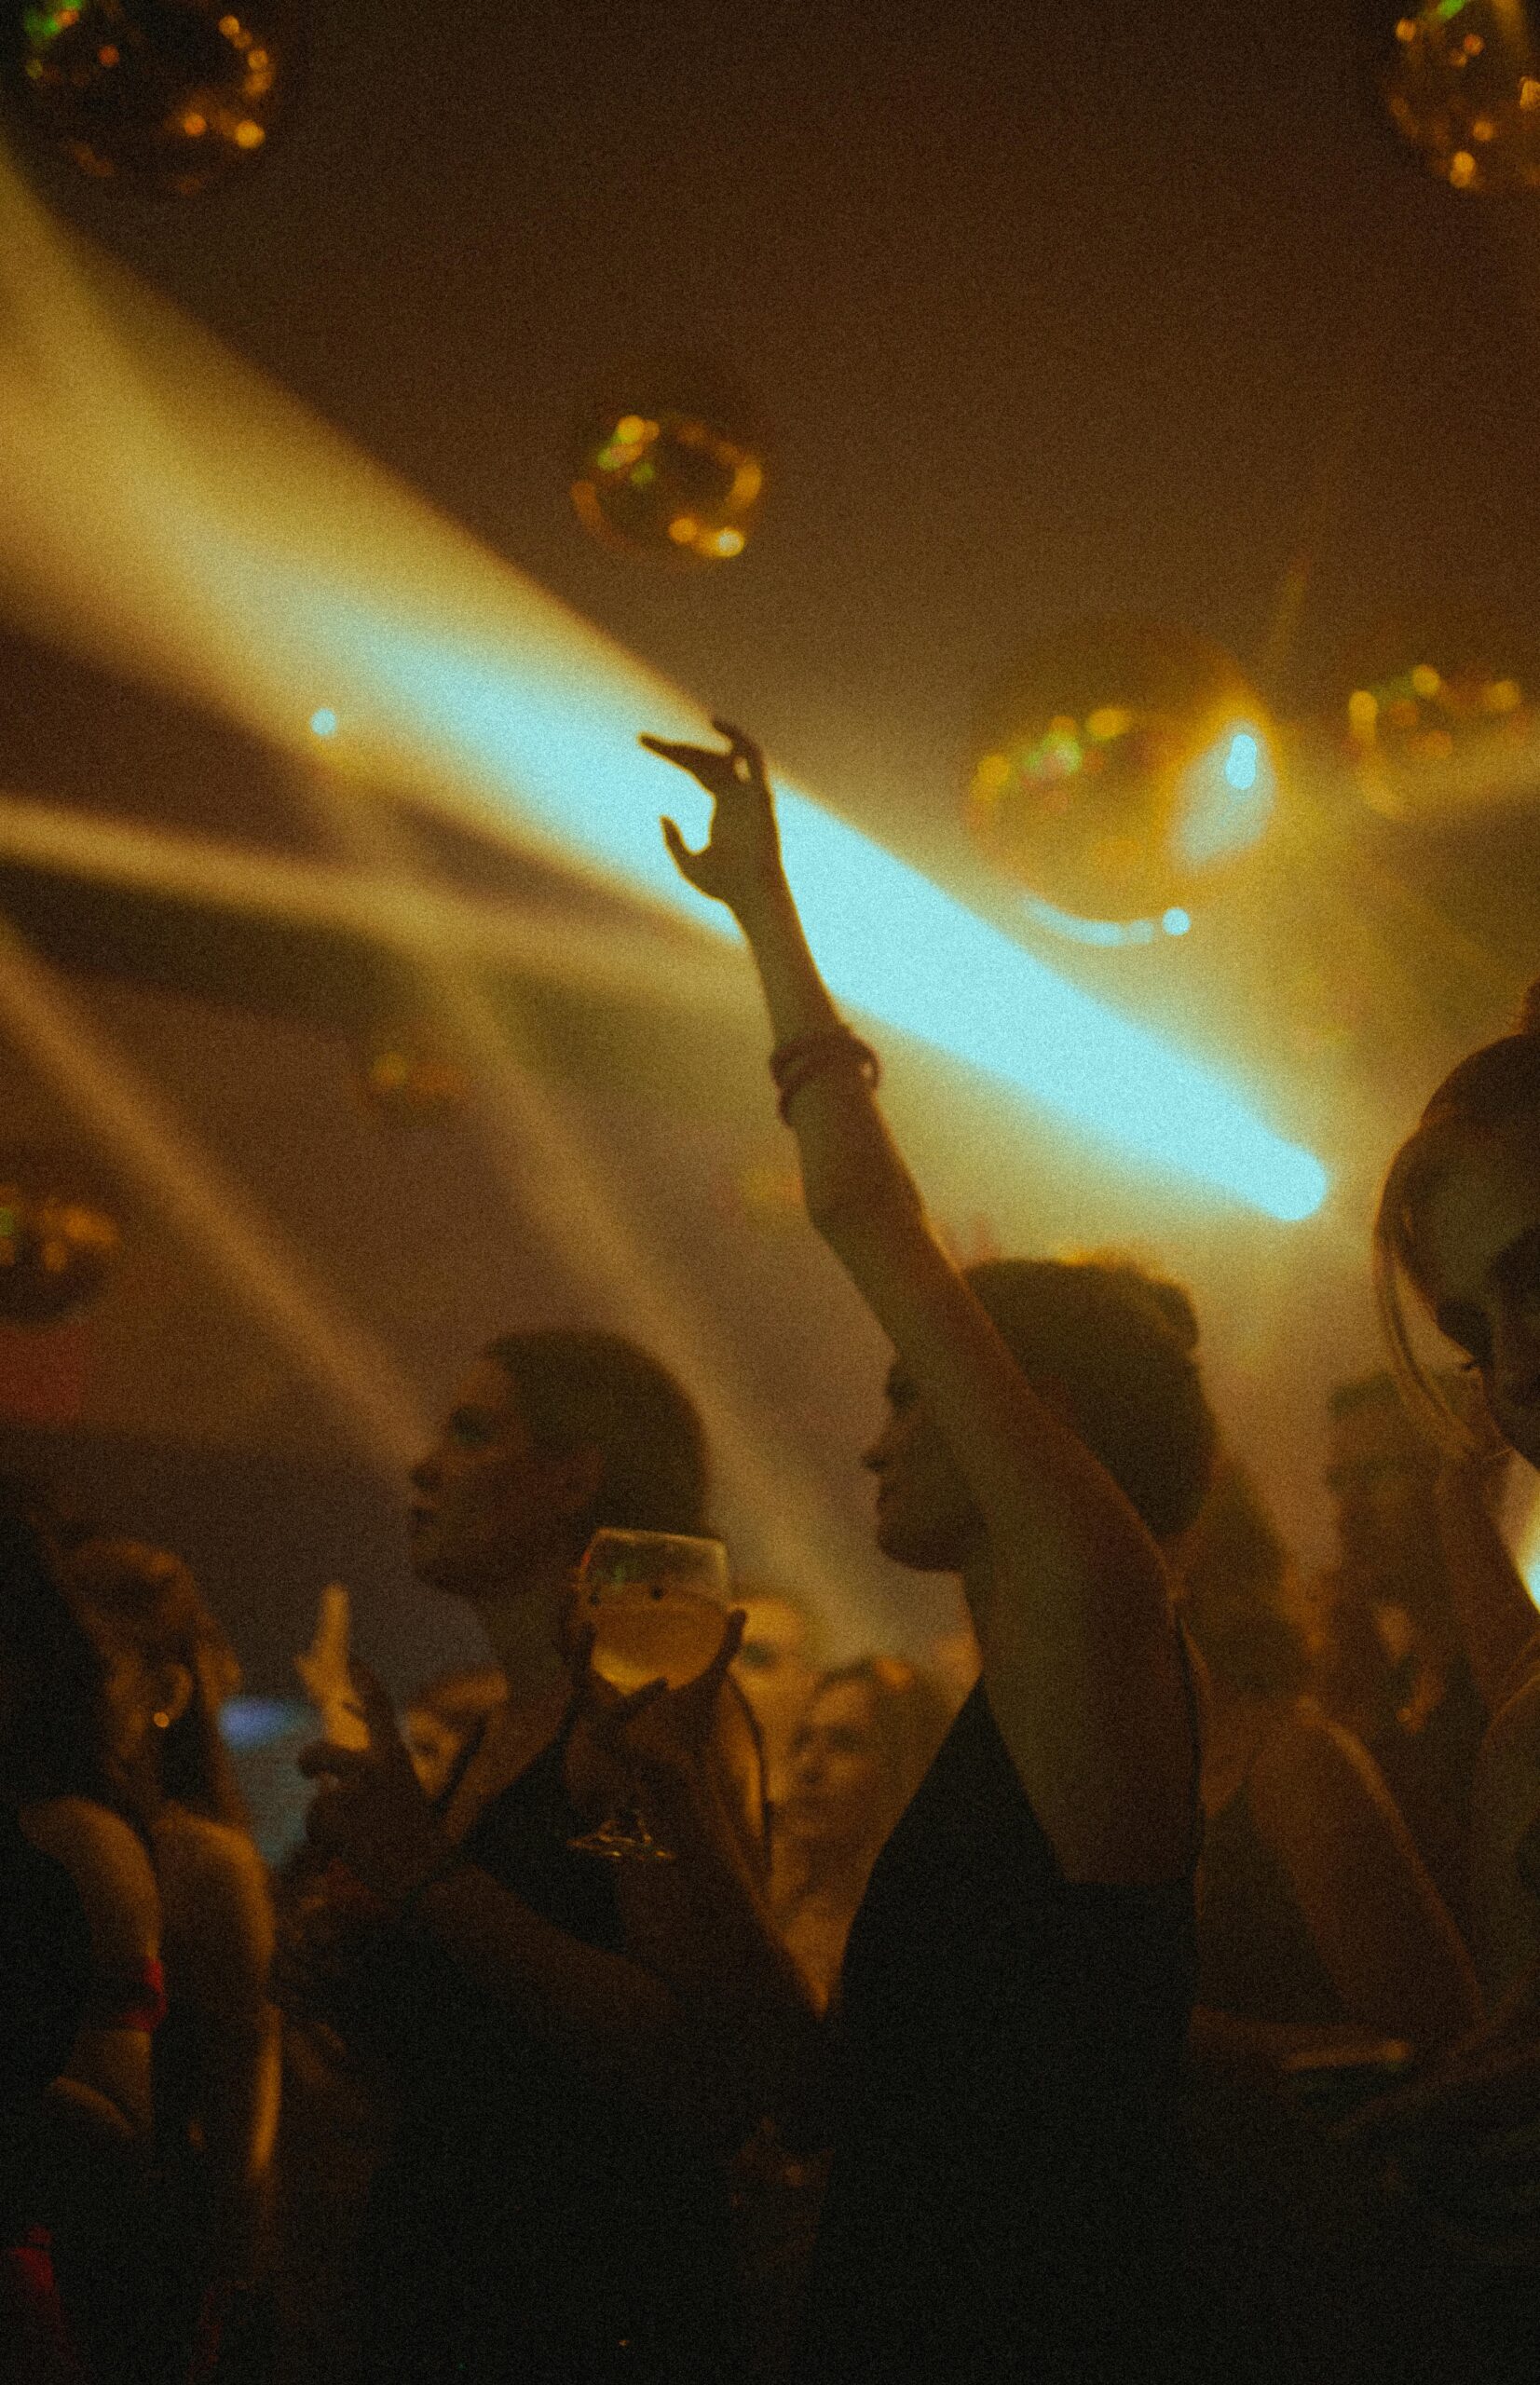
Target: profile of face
{"points": [[833, 1801], [925, 1515], [1477, 1259], [487, 1507], [1380, 1474], [773, 1668]]}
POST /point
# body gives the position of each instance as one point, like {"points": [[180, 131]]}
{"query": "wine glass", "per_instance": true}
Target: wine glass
{"points": [[656, 1603]]}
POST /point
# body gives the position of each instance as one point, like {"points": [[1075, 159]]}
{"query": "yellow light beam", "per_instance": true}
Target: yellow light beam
{"points": [[551, 1173], [163, 503], [413, 917], [211, 1211]]}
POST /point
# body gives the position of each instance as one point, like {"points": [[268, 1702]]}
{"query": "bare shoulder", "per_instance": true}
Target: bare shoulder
{"points": [[109, 1869], [1308, 1767], [219, 1912]]}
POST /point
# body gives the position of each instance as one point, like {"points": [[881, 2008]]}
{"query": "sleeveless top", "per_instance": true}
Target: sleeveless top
{"points": [[532, 2221], [1257, 1959], [1004, 2200]]}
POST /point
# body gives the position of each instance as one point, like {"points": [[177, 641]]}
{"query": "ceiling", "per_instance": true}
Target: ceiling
{"points": [[1048, 313]]}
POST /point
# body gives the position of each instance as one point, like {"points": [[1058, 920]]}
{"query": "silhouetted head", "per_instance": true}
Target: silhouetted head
{"points": [[554, 1436], [169, 1670], [1113, 1351], [1460, 1215], [860, 1751]]}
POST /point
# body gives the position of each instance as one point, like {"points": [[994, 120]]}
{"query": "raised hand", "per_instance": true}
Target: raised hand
{"points": [[369, 1809], [324, 1673], [652, 1738], [740, 863]]}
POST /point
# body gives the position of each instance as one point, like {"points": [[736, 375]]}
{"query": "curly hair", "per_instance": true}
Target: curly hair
{"points": [[1122, 1345], [577, 1390]]}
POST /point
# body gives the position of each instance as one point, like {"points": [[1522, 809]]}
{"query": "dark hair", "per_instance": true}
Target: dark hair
{"points": [[1236, 1575], [911, 1716], [148, 1599], [578, 1390], [50, 1712], [1493, 1093], [1122, 1345]]}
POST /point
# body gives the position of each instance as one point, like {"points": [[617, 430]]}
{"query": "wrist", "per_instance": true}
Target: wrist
{"points": [[766, 904]]}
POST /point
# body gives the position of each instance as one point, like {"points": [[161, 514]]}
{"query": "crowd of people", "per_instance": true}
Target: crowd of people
{"points": [[1151, 1988]]}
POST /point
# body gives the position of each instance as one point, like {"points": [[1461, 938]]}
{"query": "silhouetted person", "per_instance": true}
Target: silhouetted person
{"points": [[1016, 1991], [549, 2206], [1396, 1669], [866, 1741]]}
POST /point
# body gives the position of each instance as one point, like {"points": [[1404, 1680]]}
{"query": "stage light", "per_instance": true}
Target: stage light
{"points": [[1461, 82], [57, 1243], [467, 688], [902, 950], [1115, 766], [665, 468], [1439, 712], [164, 96], [324, 722]]}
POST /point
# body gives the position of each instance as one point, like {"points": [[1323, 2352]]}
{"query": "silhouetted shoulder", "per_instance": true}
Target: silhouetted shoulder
{"points": [[219, 1915], [110, 1871]]}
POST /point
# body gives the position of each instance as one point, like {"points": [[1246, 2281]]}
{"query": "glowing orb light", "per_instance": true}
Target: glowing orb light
{"points": [[662, 475], [409, 1086], [1115, 769], [1463, 88], [1439, 715], [57, 1245], [163, 95]]}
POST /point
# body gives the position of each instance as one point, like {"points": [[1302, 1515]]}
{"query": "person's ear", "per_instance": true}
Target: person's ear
{"points": [[173, 1695]]}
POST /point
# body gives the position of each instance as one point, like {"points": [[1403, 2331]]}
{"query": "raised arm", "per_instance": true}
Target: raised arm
{"points": [[1080, 1661], [1379, 1924]]}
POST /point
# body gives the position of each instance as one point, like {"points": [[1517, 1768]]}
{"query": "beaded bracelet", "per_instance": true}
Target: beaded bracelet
{"points": [[805, 1056]]}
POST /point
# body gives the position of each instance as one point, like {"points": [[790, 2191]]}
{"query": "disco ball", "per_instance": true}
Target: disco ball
{"points": [[56, 1248], [1463, 88], [1438, 716], [1114, 769], [162, 96], [667, 478]]}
